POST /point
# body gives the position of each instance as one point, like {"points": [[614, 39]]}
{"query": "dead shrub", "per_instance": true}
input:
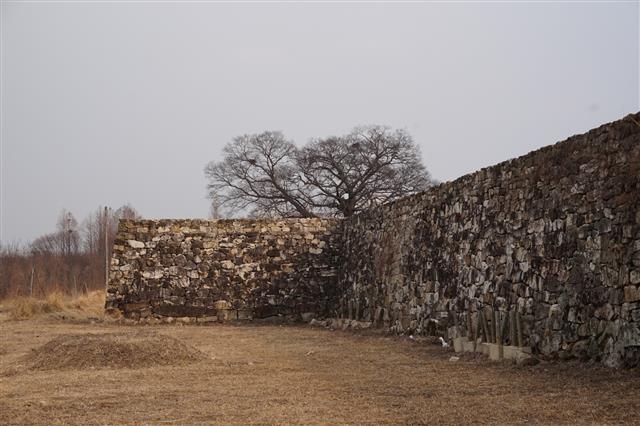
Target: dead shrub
{"points": [[57, 306]]}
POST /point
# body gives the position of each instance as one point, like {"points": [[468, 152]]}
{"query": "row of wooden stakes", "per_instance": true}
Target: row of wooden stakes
{"points": [[494, 326]]}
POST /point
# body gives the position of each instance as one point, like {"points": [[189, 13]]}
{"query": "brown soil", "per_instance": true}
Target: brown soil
{"points": [[296, 375], [114, 350]]}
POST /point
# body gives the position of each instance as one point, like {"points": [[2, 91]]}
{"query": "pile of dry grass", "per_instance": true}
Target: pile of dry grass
{"points": [[57, 306], [111, 350]]}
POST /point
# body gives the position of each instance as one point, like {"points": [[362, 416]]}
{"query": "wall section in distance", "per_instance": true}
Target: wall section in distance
{"points": [[182, 267]]}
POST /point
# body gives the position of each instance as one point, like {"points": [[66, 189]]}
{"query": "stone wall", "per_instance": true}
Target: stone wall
{"points": [[261, 268], [542, 251]]}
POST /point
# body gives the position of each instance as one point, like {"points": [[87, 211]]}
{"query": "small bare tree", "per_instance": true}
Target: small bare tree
{"points": [[95, 224], [64, 241], [215, 209], [336, 176]]}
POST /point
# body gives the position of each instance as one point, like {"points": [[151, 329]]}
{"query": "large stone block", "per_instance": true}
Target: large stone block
{"points": [[631, 293]]}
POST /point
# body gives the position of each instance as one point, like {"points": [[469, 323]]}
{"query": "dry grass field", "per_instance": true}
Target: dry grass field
{"points": [[73, 371]]}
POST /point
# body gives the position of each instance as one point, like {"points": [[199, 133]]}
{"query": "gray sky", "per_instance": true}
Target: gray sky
{"points": [[108, 103]]}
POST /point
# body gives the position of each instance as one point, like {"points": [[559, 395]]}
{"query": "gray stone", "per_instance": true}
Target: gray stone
{"points": [[136, 244], [307, 316], [580, 349], [631, 293]]}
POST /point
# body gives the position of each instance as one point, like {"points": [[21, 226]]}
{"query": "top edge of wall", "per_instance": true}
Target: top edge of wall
{"points": [[620, 129], [238, 221]]}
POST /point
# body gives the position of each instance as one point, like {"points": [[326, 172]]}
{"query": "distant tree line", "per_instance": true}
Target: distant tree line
{"points": [[70, 259]]}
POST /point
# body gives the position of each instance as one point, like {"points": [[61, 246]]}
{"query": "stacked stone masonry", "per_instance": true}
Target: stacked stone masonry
{"points": [[540, 252], [261, 268]]}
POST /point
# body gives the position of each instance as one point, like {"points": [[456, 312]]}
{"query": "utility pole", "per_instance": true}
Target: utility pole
{"points": [[106, 247], [69, 232], [69, 261], [31, 281]]}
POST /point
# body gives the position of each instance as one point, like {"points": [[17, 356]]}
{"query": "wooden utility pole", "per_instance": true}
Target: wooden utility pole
{"points": [[31, 281], [106, 247]]}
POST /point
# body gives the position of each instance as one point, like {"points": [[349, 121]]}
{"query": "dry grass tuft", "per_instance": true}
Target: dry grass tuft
{"points": [[57, 306], [111, 350]]}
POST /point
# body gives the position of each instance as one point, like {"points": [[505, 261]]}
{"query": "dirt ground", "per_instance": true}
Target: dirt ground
{"points": [[271, 374]]}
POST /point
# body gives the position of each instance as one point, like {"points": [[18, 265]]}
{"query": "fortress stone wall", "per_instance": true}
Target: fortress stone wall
{"points": [[261, 268], [540, 252]]}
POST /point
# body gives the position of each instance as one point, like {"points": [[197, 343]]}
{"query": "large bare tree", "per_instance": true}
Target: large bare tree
{"points": [[371, 165], [335, 176], [259, 172]]}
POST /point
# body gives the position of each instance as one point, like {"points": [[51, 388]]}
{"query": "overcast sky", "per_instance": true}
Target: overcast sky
{"points": [[109, 103]]}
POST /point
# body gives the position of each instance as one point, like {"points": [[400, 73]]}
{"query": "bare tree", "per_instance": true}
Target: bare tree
{"points": [[259, 172], [67, 227], [334, 176], [64, 241], [371, 165], [215, 208], [126, 211], [94, 226], [47, 244], [70, 259]]}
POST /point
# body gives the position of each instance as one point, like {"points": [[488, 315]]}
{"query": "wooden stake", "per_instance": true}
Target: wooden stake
{"points": [[496, 322], [503, 327], [478, 330], [455, 323], [485, 326], [512, 328], [519, 328], [491, 325]]}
